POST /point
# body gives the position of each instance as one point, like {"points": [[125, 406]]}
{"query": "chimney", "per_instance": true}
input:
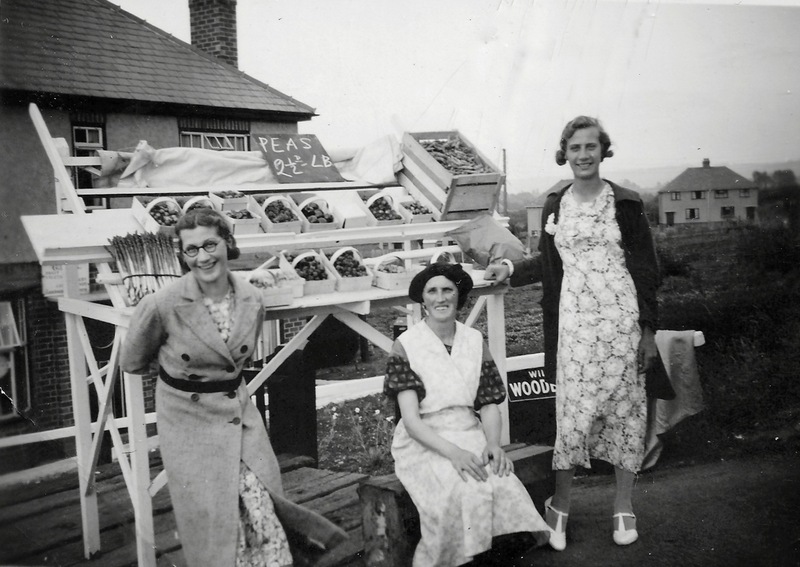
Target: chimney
{"points": [[706, 162], [213, 25]]}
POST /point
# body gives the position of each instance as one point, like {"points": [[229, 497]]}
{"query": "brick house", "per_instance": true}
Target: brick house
{"points": [[708, 194], [103, 79]]}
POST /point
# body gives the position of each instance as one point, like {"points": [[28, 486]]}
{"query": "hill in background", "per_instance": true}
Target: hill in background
{"points": [[524, 190]]}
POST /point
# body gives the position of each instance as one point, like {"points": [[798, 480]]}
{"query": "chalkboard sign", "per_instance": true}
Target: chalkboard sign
{"points": [[297, 158]]}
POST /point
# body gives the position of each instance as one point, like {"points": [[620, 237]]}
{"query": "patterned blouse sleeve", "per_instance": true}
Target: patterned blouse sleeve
{"points": [[490, 387], [399, 375]]}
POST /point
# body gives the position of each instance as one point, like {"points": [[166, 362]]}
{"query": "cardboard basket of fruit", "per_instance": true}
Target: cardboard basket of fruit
{"points": [[228, 200], [390, 272], [279, 284], [451, 173], [385, 210], [449, 258], [350, 271], [197, 202], [311, 266], [247, 220], [159, 214], [281, 215], [317, 214], [416, 211]]}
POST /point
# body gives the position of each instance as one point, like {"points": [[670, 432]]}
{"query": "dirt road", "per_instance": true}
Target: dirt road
{"points": [[740, 512]]}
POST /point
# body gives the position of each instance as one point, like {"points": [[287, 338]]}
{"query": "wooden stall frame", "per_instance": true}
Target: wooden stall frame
{"points": [[345, 306]]}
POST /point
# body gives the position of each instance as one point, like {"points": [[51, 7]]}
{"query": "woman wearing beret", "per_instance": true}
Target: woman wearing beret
{"points": [[446, 445], [599, 275], [224, 478]]}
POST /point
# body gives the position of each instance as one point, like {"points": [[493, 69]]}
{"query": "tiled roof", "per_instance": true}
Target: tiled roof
{"points": [[707, 179], [93, 48]]}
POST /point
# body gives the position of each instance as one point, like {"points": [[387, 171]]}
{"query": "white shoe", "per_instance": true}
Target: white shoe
{"points": [[558, 535], [623, 536]]}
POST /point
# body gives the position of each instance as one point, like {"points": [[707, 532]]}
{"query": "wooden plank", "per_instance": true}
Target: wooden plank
{"points": [[303, 485], [341, 507], [63, 177], [251, 189]]}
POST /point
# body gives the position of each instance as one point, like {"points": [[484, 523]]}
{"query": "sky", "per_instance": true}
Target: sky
{"points": [[673, 82]]}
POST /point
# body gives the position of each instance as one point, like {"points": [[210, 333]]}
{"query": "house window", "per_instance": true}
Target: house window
{"points": [[85, 141], [698, 195], [15, 397], [675, 196], [720, 193], [692, 214], [744, 193], [212, 141], [728, 213]]}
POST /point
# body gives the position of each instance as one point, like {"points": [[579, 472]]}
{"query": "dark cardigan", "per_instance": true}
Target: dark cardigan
{"points": [[640, 259]]}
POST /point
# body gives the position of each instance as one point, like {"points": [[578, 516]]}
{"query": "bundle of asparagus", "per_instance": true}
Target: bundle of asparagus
{"points": [[146, 262]]}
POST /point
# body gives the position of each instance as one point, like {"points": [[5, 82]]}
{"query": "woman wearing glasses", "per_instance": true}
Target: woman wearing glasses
{"points": [[224, 479]]}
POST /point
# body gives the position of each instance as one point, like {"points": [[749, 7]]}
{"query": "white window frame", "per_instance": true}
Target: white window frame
{"points": [[744, 193], [698, 195], [83, 148], [692, 214], [731, 215], [18, 357], [720, 193], [215, 141], [675, 196]]}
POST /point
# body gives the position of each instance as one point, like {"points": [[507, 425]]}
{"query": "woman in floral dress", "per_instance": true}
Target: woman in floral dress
{"points": [[449, 459], [599, 275]]}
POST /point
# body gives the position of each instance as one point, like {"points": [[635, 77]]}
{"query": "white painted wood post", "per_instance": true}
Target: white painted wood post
{"points": [[140, 467], [496, 329], [81, 412]]}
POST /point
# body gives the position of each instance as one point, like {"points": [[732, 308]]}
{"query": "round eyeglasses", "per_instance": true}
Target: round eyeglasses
{"points": [[209, 246]]}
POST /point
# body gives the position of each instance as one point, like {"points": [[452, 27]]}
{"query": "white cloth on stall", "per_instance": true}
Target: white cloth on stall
{"points": [[374, 163], [677, 352]]}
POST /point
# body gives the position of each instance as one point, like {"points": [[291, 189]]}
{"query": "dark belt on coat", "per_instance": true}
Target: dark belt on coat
{"points": [[201, 387]]}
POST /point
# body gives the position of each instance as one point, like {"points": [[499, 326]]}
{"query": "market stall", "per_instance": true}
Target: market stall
{"points": [[295, 231]]}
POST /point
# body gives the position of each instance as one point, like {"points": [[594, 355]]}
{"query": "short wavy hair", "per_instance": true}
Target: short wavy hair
{"points": [[576, 124], [210, 218]]}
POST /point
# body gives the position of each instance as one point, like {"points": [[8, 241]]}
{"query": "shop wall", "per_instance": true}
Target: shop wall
{"points": [[124, 131], [26, 186]]}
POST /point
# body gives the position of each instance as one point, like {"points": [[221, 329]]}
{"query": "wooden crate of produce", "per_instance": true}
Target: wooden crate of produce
{"points": [[451, 173]]}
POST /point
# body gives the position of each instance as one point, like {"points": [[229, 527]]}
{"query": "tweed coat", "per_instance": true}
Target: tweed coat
{"points": [[204, 436], [546, 267]]}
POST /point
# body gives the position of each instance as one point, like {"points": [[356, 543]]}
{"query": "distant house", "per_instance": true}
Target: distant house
{"points": [[707, 194], [103, 79]]}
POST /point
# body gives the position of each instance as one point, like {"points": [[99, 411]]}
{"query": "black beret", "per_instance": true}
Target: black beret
{"points": [[453, 272]]}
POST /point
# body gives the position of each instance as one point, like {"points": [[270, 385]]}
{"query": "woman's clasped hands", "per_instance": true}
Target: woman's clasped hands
{"points": [[493, 458]]}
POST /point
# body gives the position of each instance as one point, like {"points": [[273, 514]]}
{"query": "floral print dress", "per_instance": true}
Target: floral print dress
{"points": [[600, 401], [262, 540], [457, 519]]}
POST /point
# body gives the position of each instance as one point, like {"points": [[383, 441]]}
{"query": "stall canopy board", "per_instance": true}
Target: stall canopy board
{"points": [[297, 158]]}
